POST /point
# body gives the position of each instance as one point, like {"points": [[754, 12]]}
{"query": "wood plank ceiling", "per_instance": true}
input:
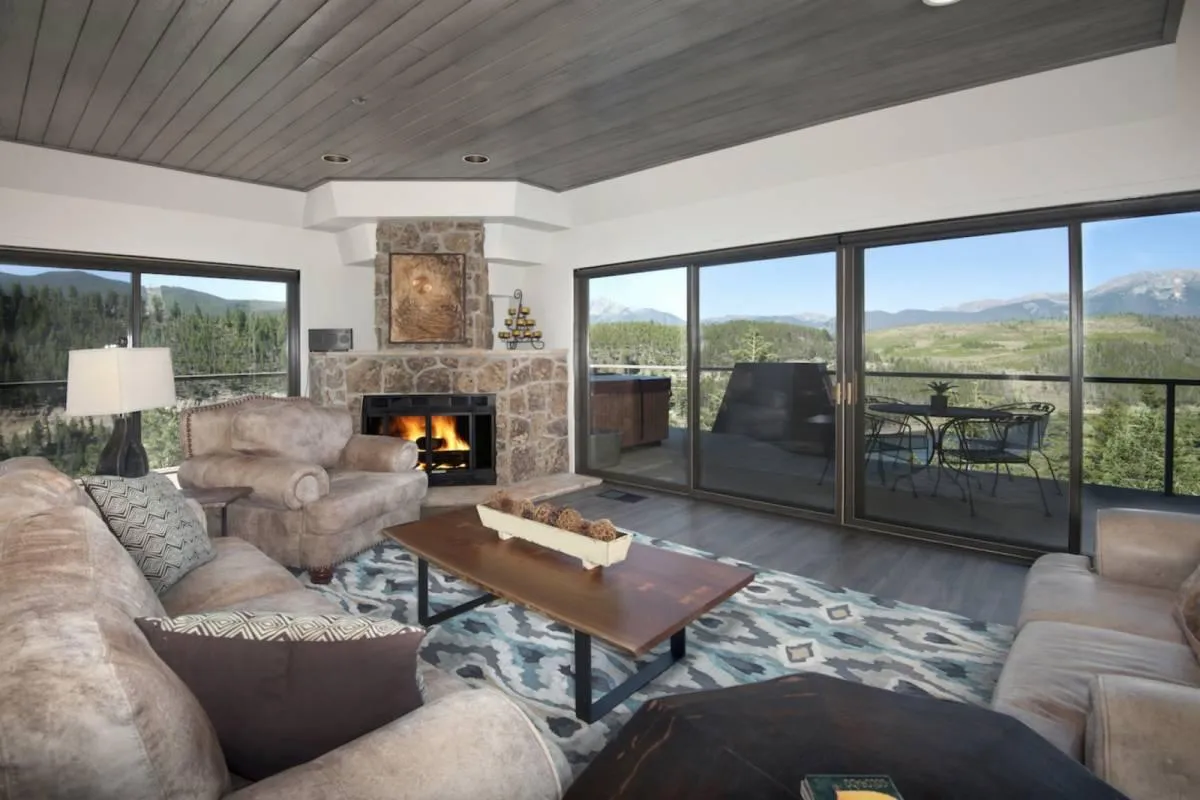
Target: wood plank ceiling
{"points": [[558, 93]]}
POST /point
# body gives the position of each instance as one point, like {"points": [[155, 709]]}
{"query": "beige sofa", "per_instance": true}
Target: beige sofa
{"points": [[1100, 666], [322, 493], [87, 710]]}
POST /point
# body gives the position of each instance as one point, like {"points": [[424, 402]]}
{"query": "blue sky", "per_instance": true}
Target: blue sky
{"points": [[926, 275], [221, 287]]}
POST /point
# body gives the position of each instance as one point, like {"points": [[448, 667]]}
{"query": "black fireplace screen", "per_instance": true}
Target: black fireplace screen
{"points": [[455, 434]]}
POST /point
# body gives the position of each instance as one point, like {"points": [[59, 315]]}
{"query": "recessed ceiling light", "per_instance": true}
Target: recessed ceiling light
{"points": [[476, 158], [936, 3], [335, 158]]}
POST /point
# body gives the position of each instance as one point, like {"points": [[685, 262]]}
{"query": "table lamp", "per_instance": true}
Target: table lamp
{"points": [[120, 381]]}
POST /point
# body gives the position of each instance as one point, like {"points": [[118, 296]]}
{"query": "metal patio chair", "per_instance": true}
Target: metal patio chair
{"points": [[1044, 411], [974, 442], [888, 436], [892, 437]]}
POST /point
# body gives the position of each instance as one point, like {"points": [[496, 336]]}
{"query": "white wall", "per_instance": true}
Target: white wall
{"points": [[62, 201], [1110, 129]]}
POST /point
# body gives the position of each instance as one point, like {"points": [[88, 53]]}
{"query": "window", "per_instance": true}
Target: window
{"points": [[985, 319], [228, 330], [767, 362], [994, 381], [637, 375]]}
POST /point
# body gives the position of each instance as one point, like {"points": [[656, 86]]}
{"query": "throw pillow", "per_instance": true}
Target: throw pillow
{"points": [[282, 689], [1187, 611], [153, 521]]}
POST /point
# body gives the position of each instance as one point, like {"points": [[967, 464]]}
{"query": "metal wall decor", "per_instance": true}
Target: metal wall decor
{"points": [[520, 328]]}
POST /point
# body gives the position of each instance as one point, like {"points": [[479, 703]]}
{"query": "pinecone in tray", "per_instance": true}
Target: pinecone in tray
{"points": [[571, 520], [567, 519], [603, 530]]}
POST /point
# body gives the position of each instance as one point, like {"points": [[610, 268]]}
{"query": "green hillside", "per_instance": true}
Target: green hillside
{"points": [[1124, 424]]}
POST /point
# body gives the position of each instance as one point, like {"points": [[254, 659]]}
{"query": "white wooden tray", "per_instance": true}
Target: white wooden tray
{"points": [[592, 552]]}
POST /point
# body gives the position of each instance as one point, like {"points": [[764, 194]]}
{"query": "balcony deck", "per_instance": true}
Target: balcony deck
{"points": [[1015, 515]]}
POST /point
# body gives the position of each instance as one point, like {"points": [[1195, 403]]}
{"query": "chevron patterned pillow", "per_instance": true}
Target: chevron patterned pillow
{"points": [[153, 521], [259, 626], [283, 689]]}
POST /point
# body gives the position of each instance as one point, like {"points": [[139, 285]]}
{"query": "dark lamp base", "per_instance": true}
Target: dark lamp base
{"points": [[124, 455]]}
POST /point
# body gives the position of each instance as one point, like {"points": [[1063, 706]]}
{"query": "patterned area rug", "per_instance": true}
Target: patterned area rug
{"points": [[779, 624]]}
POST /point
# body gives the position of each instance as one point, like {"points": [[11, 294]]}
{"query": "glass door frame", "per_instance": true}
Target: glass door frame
{"points": [[693, 360], [1072, 218], [849, 381], [136, 266], [853, 333]]}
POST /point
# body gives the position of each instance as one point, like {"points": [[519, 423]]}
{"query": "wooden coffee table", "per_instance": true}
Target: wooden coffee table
{"points": [[648, 598]]}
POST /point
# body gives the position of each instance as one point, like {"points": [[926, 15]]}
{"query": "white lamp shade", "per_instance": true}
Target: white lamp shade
{"points": [[119, 380]]}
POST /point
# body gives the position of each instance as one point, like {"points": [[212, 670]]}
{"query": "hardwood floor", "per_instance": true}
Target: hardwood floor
{"points": [[975, 585]]}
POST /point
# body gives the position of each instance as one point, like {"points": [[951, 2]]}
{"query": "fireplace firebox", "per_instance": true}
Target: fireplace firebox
{"points": [[455, 434]]}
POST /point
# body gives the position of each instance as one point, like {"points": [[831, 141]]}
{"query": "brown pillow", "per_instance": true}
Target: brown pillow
{"points": [[1187, 611], [282, 689]]}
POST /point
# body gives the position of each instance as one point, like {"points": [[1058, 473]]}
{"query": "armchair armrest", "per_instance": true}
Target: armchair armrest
{"points": [[426, 755], [279, 481], [1150, 548], [379, 454], [1141, 736]]}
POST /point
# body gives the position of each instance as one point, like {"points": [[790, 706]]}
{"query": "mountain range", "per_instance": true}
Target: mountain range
{"points": [[1168, 293], [88, 283], [601, 309]]}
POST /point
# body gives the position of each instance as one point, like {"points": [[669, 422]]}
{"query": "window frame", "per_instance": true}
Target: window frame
{"points": [[851, 246], [136, 266]]}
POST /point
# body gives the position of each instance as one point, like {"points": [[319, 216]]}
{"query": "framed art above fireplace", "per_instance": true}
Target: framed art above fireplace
{"points": [[427, 298]]}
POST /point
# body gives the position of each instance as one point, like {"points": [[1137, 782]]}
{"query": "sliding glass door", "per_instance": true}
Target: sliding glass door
{"points": [[993, 382], [767, 419], [637, 376], [964, 402], [1141, 306]]}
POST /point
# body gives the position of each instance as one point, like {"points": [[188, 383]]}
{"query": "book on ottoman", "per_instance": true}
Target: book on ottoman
{"points": [[849, 787]]}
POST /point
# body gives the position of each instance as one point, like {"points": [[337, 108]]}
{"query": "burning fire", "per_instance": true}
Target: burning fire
{"points": [[444, 430]]}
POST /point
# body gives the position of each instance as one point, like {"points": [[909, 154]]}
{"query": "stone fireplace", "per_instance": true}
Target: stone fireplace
{"points": [[529, 387]]}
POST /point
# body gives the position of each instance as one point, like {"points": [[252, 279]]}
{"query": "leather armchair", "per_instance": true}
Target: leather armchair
{"points": [[321, 492]]}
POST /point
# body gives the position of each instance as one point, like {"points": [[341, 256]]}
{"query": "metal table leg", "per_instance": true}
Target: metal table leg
{"points": [[423, 599], [588, 710]]}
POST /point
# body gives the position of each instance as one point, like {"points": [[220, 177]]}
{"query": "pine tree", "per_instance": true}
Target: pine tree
{"points": [[754, 348]]}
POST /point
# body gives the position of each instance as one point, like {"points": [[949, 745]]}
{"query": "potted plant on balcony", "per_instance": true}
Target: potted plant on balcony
{"points": [[938, 401]]}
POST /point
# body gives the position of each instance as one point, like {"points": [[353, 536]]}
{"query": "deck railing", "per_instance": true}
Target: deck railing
{"points": [[1170, 386], [205, 377]]}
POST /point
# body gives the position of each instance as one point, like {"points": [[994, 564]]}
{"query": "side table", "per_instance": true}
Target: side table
{"points": [[760, 740], [219, 497]]}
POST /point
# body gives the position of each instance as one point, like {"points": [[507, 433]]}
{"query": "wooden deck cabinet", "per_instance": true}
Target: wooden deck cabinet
{"points": [[637, 406]]}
